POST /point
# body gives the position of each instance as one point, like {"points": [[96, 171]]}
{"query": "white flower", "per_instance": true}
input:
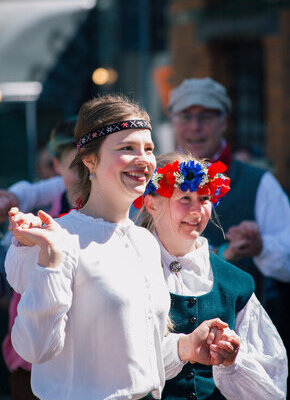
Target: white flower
{"points": [[156, 179], [179, 178], [205, 178]]}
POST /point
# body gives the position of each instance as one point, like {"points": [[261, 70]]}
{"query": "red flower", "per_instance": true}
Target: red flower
{"points": [[204, 191], [165, 189], [214, 199], [217, 181], [168, 180], [216, 168], [211, 189], [227, 181], [169, 169], [223, 190], [138, 203]]}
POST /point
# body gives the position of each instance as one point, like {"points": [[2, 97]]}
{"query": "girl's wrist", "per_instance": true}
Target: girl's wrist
{"points": [[185, 349]]}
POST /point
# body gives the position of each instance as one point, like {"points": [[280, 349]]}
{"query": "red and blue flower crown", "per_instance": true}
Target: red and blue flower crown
{"points": [[206, 180]]}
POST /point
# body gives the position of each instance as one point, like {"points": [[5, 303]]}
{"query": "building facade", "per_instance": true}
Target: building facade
{"points": [[245, 46]]}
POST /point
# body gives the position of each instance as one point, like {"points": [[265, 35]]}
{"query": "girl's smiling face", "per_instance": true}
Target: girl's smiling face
{"points": [[180, 220], [126, 163]]}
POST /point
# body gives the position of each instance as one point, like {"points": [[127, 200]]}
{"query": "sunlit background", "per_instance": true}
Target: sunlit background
{"points": [[56, 54]]}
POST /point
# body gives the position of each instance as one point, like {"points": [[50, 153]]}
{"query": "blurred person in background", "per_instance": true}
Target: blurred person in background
{"points": [[44, 164], [51, 191], [199, 111], [63, 149], [255, 215]]}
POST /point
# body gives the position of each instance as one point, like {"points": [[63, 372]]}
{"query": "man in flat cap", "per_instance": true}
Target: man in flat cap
{"points": [[254, 213]]}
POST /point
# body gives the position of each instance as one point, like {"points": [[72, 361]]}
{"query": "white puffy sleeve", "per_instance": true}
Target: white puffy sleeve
{"points": [[172, 363], [38, 333], [260, 370], [19, 264]]}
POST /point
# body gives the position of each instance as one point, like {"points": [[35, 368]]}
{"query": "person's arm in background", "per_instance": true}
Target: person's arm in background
{"points": [[267, 239], [28, 196], [37, 194], [273, 218], [260, 369]]}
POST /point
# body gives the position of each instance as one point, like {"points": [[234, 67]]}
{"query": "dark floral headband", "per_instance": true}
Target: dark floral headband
{"points": [[116, 127]]}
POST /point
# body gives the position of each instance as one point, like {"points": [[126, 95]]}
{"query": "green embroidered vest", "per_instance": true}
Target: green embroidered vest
{"points": [[231, 290], [237, 206]]}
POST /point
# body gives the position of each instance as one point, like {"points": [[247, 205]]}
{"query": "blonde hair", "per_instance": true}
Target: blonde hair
{"points": [[93, 115]]}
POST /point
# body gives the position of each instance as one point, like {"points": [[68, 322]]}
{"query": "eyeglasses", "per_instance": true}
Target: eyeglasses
{"points": [[202, 118]]}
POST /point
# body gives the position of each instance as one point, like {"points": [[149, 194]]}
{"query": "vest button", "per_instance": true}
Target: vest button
{"points": [[191, 302], [189, 376], [192, 320], [191, 396]]}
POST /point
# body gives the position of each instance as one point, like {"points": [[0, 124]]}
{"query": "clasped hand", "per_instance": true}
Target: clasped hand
{"points": [[244, 241]]}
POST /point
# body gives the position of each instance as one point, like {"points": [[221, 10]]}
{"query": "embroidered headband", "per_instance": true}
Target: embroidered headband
{"points": [[206, 180], [117, 126]]}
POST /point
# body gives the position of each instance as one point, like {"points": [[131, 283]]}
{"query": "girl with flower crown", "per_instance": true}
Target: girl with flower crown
{"points": [[92, 318], [178, 203]]}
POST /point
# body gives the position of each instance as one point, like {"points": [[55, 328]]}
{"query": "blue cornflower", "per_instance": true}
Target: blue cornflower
{"points": [[150, 188], [193, 174]]}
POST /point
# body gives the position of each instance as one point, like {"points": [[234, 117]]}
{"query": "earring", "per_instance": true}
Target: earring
{"points": [[92, 176]]}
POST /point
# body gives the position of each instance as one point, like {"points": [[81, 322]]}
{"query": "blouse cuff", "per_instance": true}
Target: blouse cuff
{"points": [[228, 369], [172, 363]]}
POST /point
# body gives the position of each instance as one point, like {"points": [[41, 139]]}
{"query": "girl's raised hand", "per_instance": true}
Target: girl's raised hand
{"points": [[49, 237], [18, 219]]}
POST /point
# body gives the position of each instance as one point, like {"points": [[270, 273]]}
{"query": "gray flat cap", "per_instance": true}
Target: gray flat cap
{"points": [[199, 92]]}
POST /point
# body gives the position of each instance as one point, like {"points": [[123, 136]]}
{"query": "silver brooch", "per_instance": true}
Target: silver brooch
{"points": [[175, 266]]}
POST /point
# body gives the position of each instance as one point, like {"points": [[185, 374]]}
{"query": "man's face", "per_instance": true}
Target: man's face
{"points": [[199, 130]]}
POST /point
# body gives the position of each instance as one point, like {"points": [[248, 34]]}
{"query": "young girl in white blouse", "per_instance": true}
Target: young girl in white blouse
{"points": [[178, 201], [93, 313]]}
